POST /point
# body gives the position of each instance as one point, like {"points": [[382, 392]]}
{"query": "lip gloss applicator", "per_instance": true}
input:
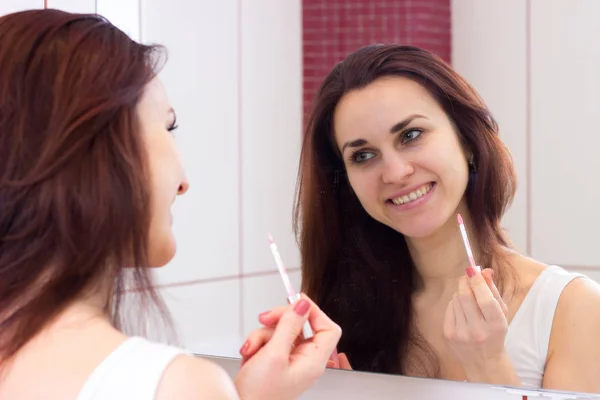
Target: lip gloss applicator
{"points": [[465, 238], [293, 297]]}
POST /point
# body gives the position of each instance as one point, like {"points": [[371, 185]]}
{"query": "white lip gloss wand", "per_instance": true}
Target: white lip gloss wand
{"points": [[465, 239], [293, 297]]}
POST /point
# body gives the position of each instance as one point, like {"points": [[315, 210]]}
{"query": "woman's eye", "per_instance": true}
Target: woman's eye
{"points": [[411, 134], [362, 156]]}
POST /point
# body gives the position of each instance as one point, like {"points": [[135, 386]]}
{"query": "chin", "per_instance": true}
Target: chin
{"points": [[416, 232], [419, 228], [163, 253]]}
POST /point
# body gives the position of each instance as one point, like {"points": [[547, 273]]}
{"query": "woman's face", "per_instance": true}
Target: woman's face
{"points": [[403, 158], [168, 178]]}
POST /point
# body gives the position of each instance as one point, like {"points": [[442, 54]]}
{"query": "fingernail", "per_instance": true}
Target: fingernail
{"points": [[244, 348], [302, 307], [330, 364], [470, 271], [264, 314]]}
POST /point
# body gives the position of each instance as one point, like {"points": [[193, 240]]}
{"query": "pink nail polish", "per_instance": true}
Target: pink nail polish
{"points": [[302, 307], [470, 272], [264, 314]]}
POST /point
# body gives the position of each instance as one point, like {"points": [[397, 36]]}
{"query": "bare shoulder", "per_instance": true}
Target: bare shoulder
{"points": [[574, 351], [194, 378], [579, 296], [580, 300], [577, 316]]}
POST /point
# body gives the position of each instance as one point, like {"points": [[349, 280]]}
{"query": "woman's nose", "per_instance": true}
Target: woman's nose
{"points": [[396, 169]]}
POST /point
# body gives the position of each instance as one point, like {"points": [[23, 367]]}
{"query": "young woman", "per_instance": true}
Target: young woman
{"points": [[398, 145], [88, 173]]}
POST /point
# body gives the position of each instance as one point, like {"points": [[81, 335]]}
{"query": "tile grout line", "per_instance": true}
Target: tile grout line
{"points": [[259, 274], [240, 172], [140, 22], [528, 190], [239, 277]]}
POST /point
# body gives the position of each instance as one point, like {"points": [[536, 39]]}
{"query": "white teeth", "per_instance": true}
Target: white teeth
{"points": [[420, 192]]}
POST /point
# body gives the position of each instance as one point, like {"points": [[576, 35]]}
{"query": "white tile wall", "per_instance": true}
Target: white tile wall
{"points": [[565, 105], [202, 79], [11, 6], [207, 316], [536, 64], [262, 293], [124, 14], [234, 76], [271, 99], [492, 57], [74, 6]]}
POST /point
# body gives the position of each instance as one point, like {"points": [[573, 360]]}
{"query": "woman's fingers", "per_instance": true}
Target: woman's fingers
{"points": [[255, 341], [287, 322], [289, 327], [490, 308], [488, 275], [271, 317], [343, 361], [340, 362], [473, 315]]}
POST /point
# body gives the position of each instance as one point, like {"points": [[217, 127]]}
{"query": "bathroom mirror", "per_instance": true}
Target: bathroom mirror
{"points": [[242, 75]]}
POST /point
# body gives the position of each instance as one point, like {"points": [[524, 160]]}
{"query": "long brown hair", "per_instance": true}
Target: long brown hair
{"points": [[358, 270], [74, 184]]}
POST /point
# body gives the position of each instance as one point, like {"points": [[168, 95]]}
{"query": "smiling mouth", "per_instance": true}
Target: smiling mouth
{"points": [[412, 196]]}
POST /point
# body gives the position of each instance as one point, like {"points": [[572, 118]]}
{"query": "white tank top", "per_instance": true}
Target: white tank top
{"points": [[529, 332], [132, 371]]}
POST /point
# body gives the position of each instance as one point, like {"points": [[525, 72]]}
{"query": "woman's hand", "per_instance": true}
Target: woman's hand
{"points": [[339, 361], [277, 363], [475, 327], [261, 336]]}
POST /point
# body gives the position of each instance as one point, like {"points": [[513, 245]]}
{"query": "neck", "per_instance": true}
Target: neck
{"points": [[441, 258], [90, 308]]}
